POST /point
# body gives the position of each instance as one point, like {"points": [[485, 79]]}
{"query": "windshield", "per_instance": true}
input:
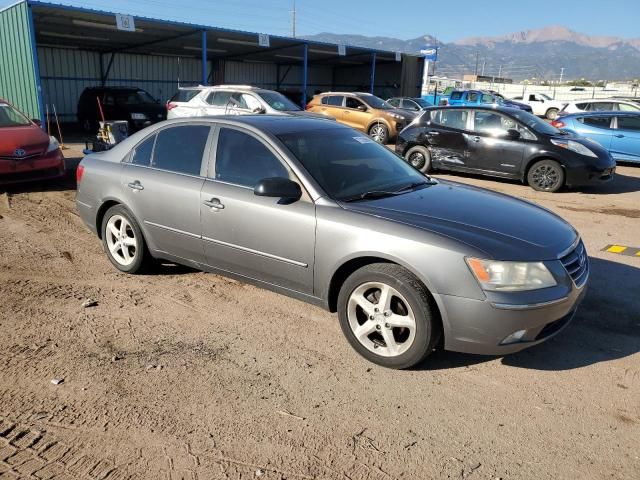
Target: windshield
{"points": [[422, 102], [277, 101], [376, 102], [535, 123], [546, 97], [348, 164], [139, 97], [10, 117]]}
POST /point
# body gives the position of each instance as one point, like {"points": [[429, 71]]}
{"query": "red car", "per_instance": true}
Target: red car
{"points": [[26, 151]]}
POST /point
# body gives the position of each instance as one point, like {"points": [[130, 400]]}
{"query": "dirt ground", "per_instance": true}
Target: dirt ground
{"points": [[186, 375]]}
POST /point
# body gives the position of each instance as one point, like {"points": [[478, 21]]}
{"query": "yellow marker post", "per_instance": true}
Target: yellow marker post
{"points": [[616, 249]]}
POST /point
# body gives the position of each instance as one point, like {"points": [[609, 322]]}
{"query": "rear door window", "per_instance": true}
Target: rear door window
{"points": [[184, 95], [180, 149], [219, 99], [629, 123], [486, 98], [456, 95], [452, 118], [472, 97], [141, 154], [335, 100], [598, 122], [601, 107]]}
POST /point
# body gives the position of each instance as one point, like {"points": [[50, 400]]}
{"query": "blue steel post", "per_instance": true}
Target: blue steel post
{"points": [[204, 57], [373, 71], [304, 75], [36, 68]]}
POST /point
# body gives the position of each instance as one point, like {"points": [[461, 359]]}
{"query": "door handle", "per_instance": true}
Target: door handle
{"points": [[433, 132], [475, 139], [135, 185], [619, 135], [214, 203]]}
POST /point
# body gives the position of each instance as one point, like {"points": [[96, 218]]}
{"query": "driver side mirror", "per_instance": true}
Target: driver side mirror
{"points": [[278, 187], [37, 121], [258, 110], [362, 108], [513, 134]]}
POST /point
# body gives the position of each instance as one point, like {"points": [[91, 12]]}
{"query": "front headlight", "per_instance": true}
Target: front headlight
{"points": [[574, 146], [396, 116], [138, 116], [53, 144], [510, 276]]}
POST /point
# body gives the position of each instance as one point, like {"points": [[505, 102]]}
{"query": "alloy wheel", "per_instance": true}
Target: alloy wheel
{"points": [[546, 177], [378, 133], [121, 240], [417, 160], [381, 319]]}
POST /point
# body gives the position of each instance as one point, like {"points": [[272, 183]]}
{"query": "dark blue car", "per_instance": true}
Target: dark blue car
{"points": [[617, 132]]}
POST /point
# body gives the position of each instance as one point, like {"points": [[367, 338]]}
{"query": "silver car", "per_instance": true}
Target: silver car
{"points": [[320, 212]]}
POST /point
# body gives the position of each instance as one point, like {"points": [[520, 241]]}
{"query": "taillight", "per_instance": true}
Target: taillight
{"points": [[558, 124], [171, 106], [79, 173], [308, 106]]}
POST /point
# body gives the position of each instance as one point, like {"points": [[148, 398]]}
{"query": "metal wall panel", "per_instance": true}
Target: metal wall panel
{"points": [[66, 73], [358, 78], [18, 79], [250, 73]]}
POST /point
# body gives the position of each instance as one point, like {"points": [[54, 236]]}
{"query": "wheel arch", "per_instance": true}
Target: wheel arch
{"points": [[530, 162], [379, 120], [350, 265]]}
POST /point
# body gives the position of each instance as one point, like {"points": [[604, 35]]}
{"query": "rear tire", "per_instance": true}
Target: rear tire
{"points": [[552, 114], [388, 316], [546, 176], [419, 158], [379, 132], [123, 241]]}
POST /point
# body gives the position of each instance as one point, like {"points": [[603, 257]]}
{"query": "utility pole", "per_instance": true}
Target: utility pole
{"points": [[293, 19], [561, 74], [483, 64], [500, 72], [477, 60]]}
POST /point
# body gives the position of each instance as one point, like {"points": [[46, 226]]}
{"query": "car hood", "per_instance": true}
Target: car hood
{"points": [[29, 138], [500, 226]]}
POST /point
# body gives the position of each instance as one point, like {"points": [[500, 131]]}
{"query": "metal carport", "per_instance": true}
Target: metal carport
{"points": [[49, 53]]}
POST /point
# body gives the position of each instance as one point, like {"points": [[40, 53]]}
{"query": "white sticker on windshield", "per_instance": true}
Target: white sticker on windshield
{"points": [[363, 139]]}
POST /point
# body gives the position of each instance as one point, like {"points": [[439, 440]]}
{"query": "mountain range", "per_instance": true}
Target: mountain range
{"points": [[544, 53]]}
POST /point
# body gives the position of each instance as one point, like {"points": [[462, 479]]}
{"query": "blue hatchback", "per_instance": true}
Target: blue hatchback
{"points": [[618, 132]]}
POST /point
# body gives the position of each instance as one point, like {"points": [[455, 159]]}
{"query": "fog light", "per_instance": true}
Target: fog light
{"points": [[515, 337]]}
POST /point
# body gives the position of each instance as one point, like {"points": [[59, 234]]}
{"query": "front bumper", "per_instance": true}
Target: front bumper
{"points": [[47, 166], [482, 326], [589, 176]]}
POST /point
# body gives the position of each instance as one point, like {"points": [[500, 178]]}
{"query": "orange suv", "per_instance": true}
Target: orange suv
{"points": [[364, 112]]}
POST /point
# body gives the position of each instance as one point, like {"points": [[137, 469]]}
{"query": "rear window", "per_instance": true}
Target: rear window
{"points": [[335, 100], [456, 95], [582, 106], [183, 95]]}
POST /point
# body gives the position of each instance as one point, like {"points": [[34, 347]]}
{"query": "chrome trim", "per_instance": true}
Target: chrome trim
{"points": [[257, 252], [175, 230], [86, 205], [567, 251], [528, 306]]}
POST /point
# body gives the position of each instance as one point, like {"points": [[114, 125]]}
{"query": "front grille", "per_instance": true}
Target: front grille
{"points": [[19, 159], [551, 328], [576, 263]]}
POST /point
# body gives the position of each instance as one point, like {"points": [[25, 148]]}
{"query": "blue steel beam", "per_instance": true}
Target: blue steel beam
{"points": [[204, 57], [373, 71], [305, 61]]}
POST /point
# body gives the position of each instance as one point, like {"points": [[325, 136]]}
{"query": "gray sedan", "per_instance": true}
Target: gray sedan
{"points": [[320, 212]]}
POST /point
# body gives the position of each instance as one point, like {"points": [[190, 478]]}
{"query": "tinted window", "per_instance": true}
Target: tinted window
{"points": [[456, 95], [279, 102], [335, 100], [184, 95], [244, 160], [601, 107], [246, 101], [219, 99], [180, 149], [582, 106], [410, 105], [534, 122], [472, 97], [141, 154], [497, 125], [347, 163], [452, 118], [599, 122], [486, 99], [353, 103], [629, 123], [396, 102], [10, 117], [375, 102], [423, 103]]}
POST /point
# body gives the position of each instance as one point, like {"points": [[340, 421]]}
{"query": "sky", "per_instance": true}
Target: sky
{"points": [[404, 19]]}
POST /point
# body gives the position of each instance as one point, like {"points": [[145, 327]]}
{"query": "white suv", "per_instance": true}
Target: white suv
{"points": [[230, 100], [541, 104], [600, 105]]}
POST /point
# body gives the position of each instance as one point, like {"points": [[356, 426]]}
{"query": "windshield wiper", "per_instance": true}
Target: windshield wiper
{"points": [[389, 193]]}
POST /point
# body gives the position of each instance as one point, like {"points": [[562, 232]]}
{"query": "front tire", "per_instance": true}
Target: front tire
{"points": [[123, 241], [546, 176], [419, 158], [552, 114], [387, 315], [379, 132]]}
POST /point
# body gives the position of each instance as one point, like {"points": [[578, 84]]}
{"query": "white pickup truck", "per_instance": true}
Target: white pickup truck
{"points": [[541, 104]]}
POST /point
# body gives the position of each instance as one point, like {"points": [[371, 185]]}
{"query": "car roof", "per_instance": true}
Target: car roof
{"points": [[347, 93], [275, 124], [617, 113], [491, 108]]}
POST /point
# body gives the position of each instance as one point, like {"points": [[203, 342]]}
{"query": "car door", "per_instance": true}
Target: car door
{"points": [[625, 143], [537, 104], [215, 103], [490, 147], [258, 237], [331, 105], [161, 183], [597, 128], [355, 114], [445, 135]]}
